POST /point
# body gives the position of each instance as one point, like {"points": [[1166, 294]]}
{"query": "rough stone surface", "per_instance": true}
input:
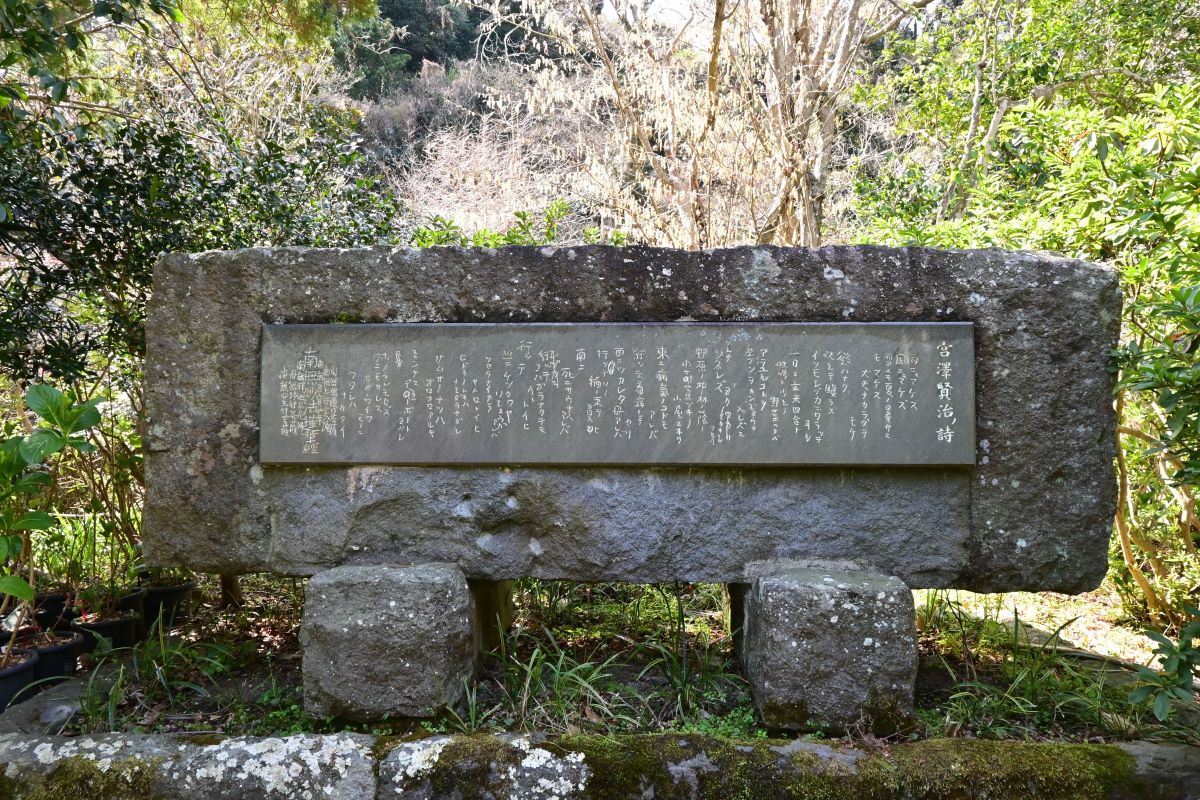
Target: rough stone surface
{"points": [[1035, 512], [829, 648], [510, 767], [387, 640], [666, 767], [334, 767]]}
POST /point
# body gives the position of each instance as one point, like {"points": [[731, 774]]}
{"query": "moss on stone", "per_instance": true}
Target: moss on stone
{"points": [[793, 715], [79, 778], [885, 712], [383, 745], [670, 766], [469, 767], [1013, 769], [699, 767], [678, 767]]}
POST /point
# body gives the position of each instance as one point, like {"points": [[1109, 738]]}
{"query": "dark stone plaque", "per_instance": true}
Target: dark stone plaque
{"points": [[619, 393]]}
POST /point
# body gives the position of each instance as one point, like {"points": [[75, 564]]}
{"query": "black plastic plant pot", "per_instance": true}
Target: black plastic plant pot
{"points": [[136, 601], [120, 631], [60, 658], [15, 677], [59, 623], [52, 604], [168, 603], [53, 611]]}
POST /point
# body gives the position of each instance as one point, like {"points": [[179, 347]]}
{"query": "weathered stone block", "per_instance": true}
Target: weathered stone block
{"points": [[831, 648], [338, 766], [387, 640], [666, 766], [1042, 487], [507, 766]]}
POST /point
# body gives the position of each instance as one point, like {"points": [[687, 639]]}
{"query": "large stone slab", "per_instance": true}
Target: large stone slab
{"points": [[1034, 512]]}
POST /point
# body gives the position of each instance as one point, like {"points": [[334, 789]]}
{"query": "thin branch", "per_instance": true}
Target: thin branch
{"points": [[890, 24]]}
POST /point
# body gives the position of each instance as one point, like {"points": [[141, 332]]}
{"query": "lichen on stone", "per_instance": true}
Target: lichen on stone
{"points": [[80, 777]]}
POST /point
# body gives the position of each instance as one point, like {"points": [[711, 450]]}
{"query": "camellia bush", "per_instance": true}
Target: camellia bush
{"points": [[92, 210]]}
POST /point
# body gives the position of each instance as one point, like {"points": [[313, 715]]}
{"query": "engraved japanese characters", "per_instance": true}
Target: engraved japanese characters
{"points": [[669, 393]]}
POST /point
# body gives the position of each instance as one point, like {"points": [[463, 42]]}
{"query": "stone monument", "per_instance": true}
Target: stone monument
{"points": [[821, 430]]}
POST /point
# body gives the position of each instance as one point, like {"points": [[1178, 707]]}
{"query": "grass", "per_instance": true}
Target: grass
{"points": [[619, 658], [208, 673], [1004, 684], [609, 658]]}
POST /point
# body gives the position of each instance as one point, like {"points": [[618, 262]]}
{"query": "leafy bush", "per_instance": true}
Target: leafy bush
{"points": [[91, 210], [370, 52], [1179, 667], [24, 477], [1123, 190], [26, 487]]}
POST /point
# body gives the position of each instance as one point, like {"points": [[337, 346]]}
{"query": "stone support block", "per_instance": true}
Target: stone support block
{"points": [[382, 641], [828, 647]]}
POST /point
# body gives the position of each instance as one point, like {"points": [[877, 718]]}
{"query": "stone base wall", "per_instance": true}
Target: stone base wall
{"points": [[357, 767]]}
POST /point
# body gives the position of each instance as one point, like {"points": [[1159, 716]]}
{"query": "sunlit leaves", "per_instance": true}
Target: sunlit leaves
{"points": [[40, 37], [16, 586]]}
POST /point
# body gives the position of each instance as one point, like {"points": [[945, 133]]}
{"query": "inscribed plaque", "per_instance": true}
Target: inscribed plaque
{"points": [[791, 393]]}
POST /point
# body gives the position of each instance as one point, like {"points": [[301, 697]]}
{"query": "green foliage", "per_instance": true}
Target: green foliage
{"points": [[383, 52], [61, 421], [1015, 688], [370, 52], [283, 713], [552, 689], [529, 229], [126, 686], [572, 665], [595, 235], [91, 216], [1179, 667], [740, 723], [304, 22], [440, 31], [1122, 189], [40, 37], [693, 667], [949, 85]]}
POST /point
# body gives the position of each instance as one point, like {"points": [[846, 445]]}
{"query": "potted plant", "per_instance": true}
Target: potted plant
{"points": [[168, 595], [53, 609], [101, 615], [109, 603], [57, 653], [103, 548], [60, 556], [27, 462], [16, 674]]}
